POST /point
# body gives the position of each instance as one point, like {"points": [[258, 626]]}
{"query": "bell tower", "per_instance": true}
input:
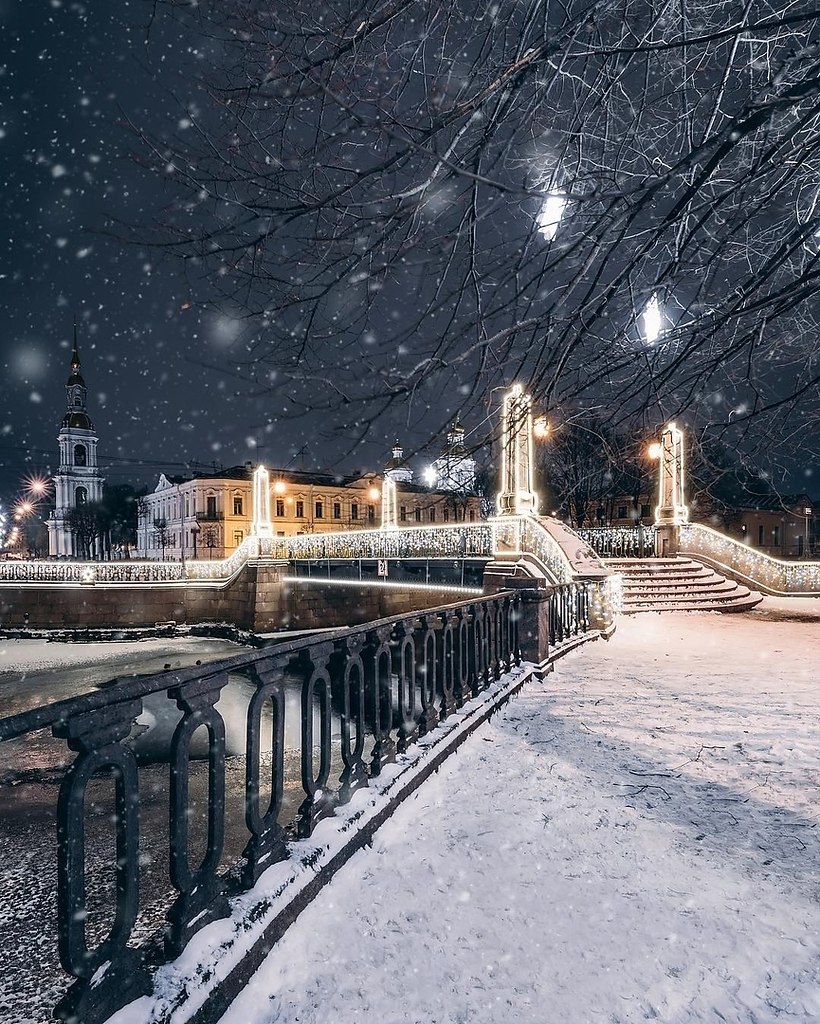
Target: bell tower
{"points": [[78, 481]]}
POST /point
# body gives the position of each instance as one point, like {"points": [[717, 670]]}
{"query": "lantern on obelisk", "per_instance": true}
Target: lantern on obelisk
{"points": [[516, 497]]}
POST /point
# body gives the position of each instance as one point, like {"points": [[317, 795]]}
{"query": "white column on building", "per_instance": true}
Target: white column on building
{"points": [[516, 497], [261, 525], [389, 500], [671, 509]]}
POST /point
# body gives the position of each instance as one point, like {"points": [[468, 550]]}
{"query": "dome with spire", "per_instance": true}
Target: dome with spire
{"points": [[396, 468]]}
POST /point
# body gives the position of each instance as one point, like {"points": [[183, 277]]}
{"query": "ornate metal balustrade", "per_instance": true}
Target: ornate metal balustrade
{"points": [[364, 695], [754, 567], [569, 613], [621, 541]]}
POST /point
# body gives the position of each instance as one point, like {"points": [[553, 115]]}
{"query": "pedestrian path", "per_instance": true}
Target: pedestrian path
{"points": [[633, 839]]}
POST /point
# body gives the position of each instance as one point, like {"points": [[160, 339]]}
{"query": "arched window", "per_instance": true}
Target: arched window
{"points": [[79, 455], [80, 495]]}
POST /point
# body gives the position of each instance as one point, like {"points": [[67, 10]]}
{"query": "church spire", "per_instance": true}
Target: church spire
{"points": [[76, 393]]}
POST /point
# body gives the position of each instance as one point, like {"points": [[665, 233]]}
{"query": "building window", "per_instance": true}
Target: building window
{"points": [[761, 536], [237, 537], [432, 515], [210, 506], [280, 507], [622, 511], [187, 513], [403, 513], [237, 506], [337, 510], [371, 513], [319, 510], [644, 511], [300, 510], [447, 515], [79, 455], [418, 515], [80, 497], [354, 511], [472, 515], [776, 536]]}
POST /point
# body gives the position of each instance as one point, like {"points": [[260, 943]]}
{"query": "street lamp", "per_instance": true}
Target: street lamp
{"points": [[807, 513], [194, 535]]}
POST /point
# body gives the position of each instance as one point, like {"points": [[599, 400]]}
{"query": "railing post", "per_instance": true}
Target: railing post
{"points": [[97, 737], [404, 668], [427, 672], [348, 667], [268, 842], [201, 898], [318, 803], [378, 686], [446, 650]]}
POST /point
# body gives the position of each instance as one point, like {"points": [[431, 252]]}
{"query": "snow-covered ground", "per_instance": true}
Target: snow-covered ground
{"points": [[634, 839]]}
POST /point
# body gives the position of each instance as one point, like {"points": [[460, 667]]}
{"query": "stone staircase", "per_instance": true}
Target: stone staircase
{"points": [[678, 584]]}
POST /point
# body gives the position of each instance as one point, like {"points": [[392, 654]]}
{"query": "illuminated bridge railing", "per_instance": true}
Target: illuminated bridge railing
{"points": [[318, 718], [424, 542], [754, 567], [621, 541], [445, 541]]}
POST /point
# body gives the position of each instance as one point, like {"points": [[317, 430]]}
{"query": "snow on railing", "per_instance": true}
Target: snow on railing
{"points": [[759, 569]]}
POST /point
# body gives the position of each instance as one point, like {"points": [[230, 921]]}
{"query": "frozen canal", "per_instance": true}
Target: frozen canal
{"points": [[634, 839]]}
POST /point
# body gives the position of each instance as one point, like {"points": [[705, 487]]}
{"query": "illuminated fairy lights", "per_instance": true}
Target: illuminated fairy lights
{"points": [[758, 568], [671, 509], [261, 525], [516, 497]]}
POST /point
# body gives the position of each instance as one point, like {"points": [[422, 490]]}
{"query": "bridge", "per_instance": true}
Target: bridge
{"points": [[181, 855]]}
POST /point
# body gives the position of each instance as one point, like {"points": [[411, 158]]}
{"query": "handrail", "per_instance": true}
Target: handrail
{"points": [[770, 574]]}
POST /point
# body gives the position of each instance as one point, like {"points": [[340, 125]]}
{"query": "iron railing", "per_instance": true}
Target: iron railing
{"points": [[569, 613], [313, 705], [621, 541]]}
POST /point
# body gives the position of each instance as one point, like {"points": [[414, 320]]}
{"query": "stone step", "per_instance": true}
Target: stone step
{"points": [[736, 604], [678, 584]]}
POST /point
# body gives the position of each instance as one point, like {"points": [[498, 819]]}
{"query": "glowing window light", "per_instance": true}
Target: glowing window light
{"points": [[550, 214], [652, 320]]}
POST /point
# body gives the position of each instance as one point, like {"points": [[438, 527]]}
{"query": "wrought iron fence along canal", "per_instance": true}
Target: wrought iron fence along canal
{"points": [[385, 683]]}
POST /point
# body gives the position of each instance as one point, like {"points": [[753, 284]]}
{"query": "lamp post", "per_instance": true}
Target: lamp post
{"points": [[807, 513], [194, 535]]}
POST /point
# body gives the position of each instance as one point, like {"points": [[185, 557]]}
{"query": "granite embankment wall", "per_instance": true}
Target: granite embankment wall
{"points": [[260, 598]]}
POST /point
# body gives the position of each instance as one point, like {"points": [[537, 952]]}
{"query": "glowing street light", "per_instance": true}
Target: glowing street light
{"points": [[430, 476], [654, 451], [652, 320], [540, 427], [551, 212]]}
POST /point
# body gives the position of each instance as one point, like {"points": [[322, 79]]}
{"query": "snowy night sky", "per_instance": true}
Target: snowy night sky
{"points": [[70, 74], [165, 378]]}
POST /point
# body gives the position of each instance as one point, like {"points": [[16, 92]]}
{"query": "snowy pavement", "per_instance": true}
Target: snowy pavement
{"points": [[634, 839]]}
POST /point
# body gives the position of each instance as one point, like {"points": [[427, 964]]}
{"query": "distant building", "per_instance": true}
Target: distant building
{"points": [[209, 515], [397, 468], [454, 469], [78, 482]]}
